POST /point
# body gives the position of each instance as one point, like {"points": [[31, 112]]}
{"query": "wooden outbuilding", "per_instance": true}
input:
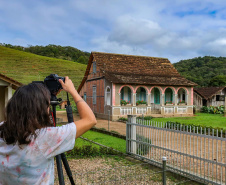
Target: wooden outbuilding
{"points": [[209, 96], [6, 86]]}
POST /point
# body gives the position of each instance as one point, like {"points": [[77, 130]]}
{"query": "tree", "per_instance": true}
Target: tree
{"points": [[219, 80], [82, 60]]}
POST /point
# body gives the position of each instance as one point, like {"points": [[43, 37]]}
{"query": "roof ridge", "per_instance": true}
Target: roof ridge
{"points": [[128, 55]]}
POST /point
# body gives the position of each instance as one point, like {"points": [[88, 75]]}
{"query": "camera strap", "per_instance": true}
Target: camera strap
{"points": [[52, 117], [69, 111]]}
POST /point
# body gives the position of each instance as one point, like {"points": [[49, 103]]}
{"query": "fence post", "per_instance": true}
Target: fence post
{"points": [[164, 170], [131, 134]]}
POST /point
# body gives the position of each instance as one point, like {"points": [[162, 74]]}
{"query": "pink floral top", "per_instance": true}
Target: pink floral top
{"points": [[34, 163]]}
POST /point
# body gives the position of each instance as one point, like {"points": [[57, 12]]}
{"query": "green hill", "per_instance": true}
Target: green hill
{"points": [[205, 71], [55, 51], [27, 67]]}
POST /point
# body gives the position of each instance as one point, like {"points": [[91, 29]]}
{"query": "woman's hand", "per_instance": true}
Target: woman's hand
{"points": [[68, 86]]}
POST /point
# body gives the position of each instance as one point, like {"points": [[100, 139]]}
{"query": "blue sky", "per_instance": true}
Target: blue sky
{"points": [[173, 29]]}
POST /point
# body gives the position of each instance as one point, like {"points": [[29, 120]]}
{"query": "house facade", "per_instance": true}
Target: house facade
{"points": [[6, 86], [120, 85], [209, 96]]}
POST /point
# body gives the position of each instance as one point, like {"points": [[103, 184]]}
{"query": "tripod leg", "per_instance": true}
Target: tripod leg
{"points": [[60, 170], [67, 168]]}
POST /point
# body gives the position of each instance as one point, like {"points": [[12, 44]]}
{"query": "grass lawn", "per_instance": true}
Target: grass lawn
{"points": [[110, 141], [27, 67], [203, 119]]}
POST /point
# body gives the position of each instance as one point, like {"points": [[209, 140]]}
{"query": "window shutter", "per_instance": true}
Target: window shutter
{"points": [[129, 94], [122, 93]]}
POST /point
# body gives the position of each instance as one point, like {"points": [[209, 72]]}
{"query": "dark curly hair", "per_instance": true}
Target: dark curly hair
{"points": [[26, 112]]}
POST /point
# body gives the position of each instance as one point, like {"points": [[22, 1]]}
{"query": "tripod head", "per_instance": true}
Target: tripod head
{"points": [[53, 85], [54, 100]]}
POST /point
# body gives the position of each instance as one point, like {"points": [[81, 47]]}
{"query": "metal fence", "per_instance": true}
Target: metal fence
{"points": [[194, 152]]}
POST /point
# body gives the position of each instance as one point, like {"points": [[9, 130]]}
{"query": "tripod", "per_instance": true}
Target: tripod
{"points": [[54, 102]]}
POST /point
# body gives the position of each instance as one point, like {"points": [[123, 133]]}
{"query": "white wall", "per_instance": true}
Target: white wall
{"points": [[5, 95], [2, 102]]}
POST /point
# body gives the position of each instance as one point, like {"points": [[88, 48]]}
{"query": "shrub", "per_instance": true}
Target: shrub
{"points": [[104, 129], [115, 132], [74, 109], [143, 149], [124, 102], [141, 102], [213, 110], [168, 102], [181, 101], [122, 119], [191, 128], [145, 117], [89, 150]]}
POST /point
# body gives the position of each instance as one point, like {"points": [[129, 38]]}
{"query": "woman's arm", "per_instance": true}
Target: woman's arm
{"points": [[88, 119]]}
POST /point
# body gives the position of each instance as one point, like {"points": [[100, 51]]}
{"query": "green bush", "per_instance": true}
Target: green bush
{"points": [[145, 117], [124, 102], [115, 132], [104, 129], [143, 149], [193, 128], [213, 110], [122, 119], [140, 102], [74, 109], [89, 150]]}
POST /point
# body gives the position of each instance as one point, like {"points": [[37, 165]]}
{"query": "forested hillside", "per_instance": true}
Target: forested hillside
{"points": [[205, 71], [55, 51]]}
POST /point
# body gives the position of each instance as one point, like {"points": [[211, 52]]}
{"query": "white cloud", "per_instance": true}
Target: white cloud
{"points": [[135, 31], [171, 29]]}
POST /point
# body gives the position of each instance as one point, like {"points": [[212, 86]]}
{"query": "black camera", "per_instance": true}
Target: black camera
{"points": [[53, 84]]}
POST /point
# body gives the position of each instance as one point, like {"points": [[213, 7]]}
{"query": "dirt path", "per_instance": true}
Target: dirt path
{"points": [[101, 123]]}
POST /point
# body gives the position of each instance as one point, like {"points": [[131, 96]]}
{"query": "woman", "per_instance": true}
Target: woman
{"points": [[29, 142]]}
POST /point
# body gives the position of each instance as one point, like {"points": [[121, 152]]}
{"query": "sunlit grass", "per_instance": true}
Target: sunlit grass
{"points": [[107, 140], [27, 67], [202, 119]]}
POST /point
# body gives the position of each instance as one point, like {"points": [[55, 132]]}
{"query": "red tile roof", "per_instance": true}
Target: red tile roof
{"points": [[131, 69], [208, 92]]}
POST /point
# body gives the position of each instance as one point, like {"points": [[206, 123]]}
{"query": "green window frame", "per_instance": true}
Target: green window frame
{"points": [[156, 96]]}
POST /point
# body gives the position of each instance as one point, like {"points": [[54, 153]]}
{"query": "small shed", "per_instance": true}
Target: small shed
{"points": [[209, 96], [6, 86]]}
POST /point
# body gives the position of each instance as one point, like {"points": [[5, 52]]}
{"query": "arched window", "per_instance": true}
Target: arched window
{"points": [[141, 94], [182, 96], [126, 94], [169, 96], [108, 96], [156, 96]]}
